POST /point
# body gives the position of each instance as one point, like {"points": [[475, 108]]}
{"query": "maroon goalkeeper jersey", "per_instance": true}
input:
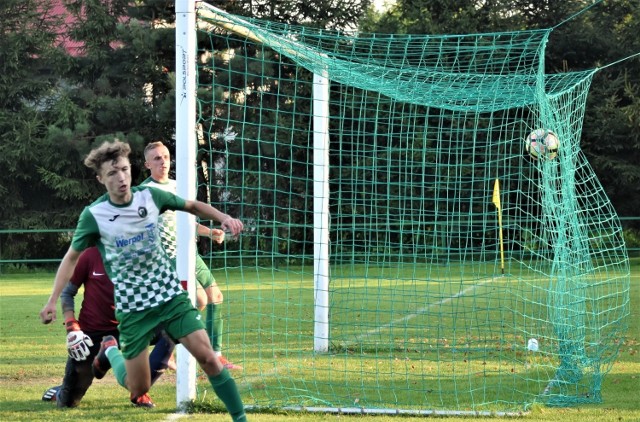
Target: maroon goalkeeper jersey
{"points": [[98, 308]]}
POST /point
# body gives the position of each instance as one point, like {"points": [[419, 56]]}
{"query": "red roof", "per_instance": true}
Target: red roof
{"points": [[58, 10]]}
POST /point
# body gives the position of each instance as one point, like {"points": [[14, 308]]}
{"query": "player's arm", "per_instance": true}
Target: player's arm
{"points": [[166, 200], [216, 235], [67, 302], [64, 273], [206, 212], [78, 343]]}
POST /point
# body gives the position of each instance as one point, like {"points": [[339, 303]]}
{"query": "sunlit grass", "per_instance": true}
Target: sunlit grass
{"points": [[274, 343]]}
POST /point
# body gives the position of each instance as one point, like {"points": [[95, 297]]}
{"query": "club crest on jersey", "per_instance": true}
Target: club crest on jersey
{"points": [[142, 212]]}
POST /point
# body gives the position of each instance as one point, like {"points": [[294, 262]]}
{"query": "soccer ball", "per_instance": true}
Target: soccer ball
{"points": [[542, 143]]}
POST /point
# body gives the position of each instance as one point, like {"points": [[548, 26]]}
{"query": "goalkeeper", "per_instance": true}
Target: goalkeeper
{"points": [[96, 320]]}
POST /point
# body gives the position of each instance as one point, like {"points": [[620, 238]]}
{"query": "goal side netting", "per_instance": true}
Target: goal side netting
{"points": [[405, 250]]}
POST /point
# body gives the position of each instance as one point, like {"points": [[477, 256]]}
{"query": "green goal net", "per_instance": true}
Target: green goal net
{"points": [[408, 246]]}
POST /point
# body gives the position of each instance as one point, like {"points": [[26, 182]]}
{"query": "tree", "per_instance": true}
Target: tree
{"points": [[440, 17], [605, 36], [286, 170], [119, 80], [328, 14], [29, 102], [585, 36], [56, 106], [119, 83]]}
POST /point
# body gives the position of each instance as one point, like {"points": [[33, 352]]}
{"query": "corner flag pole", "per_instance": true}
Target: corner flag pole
{"points": [[496, 202]]}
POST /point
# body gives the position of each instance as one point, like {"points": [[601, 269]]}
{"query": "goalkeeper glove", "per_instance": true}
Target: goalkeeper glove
{"points": [[78, 343]]}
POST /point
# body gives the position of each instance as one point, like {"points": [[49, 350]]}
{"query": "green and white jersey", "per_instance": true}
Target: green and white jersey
{"points": [[129, 242], [168, 219]]}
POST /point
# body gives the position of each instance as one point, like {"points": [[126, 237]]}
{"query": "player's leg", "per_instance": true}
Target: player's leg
{"points": [[78, 376], [133, 374], [70, 377], [131, 365], [213, 318], [197, 343], [183, 321], [138, 379], [73, 385], [201, 298], [83, 380], [214, 321], [160, 355], [214, 324]]}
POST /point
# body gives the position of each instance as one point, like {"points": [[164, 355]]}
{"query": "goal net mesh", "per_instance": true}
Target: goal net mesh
{"points": [[448, 291]]}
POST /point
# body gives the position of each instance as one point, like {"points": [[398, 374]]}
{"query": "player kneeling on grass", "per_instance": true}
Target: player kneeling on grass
{"points": [[96, 320], [123, 223]]}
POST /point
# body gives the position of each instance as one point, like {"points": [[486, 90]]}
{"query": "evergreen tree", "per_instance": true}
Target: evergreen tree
{"points": [[120, 80], [283, 169], [56, 106], [29, 103], [605, 33]]}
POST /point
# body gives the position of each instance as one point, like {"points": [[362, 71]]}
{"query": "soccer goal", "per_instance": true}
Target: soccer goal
{"points": [[423, 234]]}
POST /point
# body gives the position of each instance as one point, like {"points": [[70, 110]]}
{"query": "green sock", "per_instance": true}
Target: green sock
{"points": [[117, 364], [226, 389], [214, 326]]}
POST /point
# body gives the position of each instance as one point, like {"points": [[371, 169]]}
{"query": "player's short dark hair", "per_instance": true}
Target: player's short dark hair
{"points": [[108, 151]]}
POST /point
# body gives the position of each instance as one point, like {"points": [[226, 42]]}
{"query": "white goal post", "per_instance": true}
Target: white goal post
{"points": [[186, 178]]}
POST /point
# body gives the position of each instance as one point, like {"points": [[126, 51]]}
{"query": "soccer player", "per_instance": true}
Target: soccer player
{"points": [[96, 320], [158, 161], [123, 224]]}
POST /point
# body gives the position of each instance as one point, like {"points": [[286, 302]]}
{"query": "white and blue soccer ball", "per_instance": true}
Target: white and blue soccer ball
{"points": [[542, 144]]}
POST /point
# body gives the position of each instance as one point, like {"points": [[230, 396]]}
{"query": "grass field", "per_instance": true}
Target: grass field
{"points": [[32, 359]]}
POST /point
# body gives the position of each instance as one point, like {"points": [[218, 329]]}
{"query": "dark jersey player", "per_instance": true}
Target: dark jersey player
{"points": [[96, 320]]}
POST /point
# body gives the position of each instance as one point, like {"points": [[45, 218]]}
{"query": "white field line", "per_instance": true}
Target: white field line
{"points": [[419, 312]]}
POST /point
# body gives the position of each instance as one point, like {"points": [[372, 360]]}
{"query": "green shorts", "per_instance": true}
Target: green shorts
{"points": [[203, 274], [178, 317]]}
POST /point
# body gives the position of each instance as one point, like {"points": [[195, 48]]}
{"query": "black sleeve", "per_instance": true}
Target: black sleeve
{"points": [[66, 297]]}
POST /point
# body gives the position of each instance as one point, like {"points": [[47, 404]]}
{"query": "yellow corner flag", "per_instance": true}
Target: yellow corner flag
{"points": [[496, 194], [496, 202]]}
